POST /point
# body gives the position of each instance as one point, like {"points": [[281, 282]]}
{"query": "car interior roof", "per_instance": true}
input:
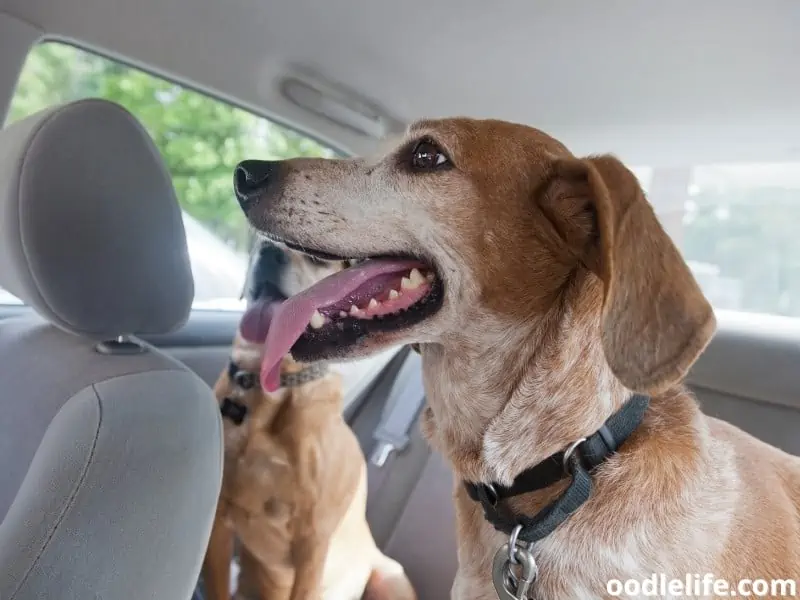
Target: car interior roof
{"points": [[657, 83]]}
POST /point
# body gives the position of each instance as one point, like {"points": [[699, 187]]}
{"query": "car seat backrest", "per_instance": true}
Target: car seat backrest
{"points": [[110, 451]]}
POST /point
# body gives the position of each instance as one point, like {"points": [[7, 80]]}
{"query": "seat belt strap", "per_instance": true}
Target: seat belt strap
{"points": [[403, 405]]}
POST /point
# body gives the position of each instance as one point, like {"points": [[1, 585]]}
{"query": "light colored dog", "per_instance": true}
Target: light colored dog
{"points": [[294, 485], [545, 295]]}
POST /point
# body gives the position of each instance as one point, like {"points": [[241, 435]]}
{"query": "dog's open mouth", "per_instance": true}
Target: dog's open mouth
{"points": [[376, 295]]}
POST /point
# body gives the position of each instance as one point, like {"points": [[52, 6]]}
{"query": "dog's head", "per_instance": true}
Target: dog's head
{"points": [[275, 274], [466, 226]]}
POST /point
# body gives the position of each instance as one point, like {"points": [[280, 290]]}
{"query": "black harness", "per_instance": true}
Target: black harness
{"points": [[236, 411], [576, 462]]}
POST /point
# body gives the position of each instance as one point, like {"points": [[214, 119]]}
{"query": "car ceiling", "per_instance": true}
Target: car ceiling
{"points": [[667, 83]]}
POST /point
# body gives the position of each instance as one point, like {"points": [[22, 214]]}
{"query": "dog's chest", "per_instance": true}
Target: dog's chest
{"points": [[258, 479]]}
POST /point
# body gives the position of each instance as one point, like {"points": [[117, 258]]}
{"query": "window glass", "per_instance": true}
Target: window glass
{"points": [[201, 139], [736, 226], [733, 222]]}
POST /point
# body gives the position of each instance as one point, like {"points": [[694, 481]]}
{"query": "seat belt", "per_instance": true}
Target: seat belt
{"points": [[403, 405], [399, 453], [390, 434]]}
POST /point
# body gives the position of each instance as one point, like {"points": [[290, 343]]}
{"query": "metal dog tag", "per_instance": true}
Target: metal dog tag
{"points": [[513, 582]]}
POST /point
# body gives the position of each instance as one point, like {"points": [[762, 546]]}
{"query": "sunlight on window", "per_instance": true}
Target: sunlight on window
{"points": [[744, 229]]}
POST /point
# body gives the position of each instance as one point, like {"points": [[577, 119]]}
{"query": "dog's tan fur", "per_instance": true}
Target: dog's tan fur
{"points": [[563, 296], [294, 485], [294, 494]]}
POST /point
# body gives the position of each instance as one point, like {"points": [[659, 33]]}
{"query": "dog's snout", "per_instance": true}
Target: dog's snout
{"points": [[267, 273], [251, 179]]}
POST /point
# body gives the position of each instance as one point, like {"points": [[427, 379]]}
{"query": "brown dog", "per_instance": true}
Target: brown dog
{"points": [[294, 483], [547, 299]]}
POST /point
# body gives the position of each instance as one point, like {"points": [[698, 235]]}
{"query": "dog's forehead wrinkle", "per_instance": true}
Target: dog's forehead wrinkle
{"points": [[512, 140]]}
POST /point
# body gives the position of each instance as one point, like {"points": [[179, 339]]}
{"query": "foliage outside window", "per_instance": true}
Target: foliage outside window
{"points": [[200, 138]]}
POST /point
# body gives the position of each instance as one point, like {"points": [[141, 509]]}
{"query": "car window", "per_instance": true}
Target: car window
{"points": [[734, 223], [201, 139], [736, 226]]}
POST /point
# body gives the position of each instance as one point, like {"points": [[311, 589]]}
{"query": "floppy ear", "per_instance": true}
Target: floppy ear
{"points": [[656, 321]]}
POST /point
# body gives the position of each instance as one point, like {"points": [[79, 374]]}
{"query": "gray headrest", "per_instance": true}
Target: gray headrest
{"points": [[91, 235]]}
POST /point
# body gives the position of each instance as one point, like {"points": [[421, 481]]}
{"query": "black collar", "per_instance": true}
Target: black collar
{"points": [[575, 462], [245, 380]]}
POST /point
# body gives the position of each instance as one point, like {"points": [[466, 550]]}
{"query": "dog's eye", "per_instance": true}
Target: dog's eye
{"points": [[427, 156]]}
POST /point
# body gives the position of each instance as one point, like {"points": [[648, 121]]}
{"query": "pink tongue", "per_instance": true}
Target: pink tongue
{"points": [[290, 319], [255, 322], [255, 325]]}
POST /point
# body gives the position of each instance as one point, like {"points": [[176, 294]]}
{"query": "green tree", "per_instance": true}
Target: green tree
{"points": [[201, 138]]}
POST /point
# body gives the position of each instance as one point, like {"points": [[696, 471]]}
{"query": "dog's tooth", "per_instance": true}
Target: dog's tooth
{"points": [[430, 277], [342, 313], [407, 284], [354, 310], [372, 303], [393, 294], [317, 320], [417, 277]]}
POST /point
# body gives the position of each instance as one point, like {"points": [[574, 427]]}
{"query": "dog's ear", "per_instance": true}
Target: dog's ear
{"points": [[656, 321]]}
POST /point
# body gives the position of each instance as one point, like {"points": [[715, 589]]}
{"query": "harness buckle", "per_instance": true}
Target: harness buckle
{"points": [[244, 379]]}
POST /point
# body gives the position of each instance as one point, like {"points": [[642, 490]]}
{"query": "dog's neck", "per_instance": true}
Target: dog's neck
{"points": [[301, 379], [306, 385], [532, 392], [294, 374]]}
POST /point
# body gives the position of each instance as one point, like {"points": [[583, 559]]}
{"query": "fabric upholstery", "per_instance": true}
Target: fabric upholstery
{"points": [[41, 367], [424, 538], [110, 455], [120, 496], [91, 235]]}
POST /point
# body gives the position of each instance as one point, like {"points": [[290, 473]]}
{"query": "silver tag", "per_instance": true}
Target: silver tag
{"points": [[513, 581]]}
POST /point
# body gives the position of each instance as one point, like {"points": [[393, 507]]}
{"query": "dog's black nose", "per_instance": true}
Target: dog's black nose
{"points": [[251, 179]]}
